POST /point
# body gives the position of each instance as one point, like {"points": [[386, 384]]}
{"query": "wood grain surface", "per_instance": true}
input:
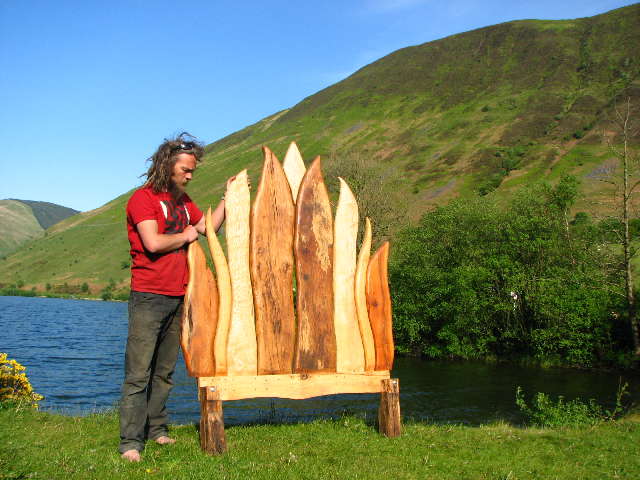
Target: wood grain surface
{"points": [[224, 297], [241, 346], [361, 300], [305, 385], [379, 307], [349, 349], [200, 313], [313, 247], [294, 168], [271, 261]]}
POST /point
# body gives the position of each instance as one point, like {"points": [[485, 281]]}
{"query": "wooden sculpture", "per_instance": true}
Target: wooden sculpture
{"points": [[243, 337]]}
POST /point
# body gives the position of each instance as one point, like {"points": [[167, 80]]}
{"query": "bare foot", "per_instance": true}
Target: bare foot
{"points": [[164, 440], [131, 455]]}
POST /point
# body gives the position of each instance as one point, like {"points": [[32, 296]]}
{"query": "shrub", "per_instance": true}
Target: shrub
{"points": [[544, 412], [15, 388]]}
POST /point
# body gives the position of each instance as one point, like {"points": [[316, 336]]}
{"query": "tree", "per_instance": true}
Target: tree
{"points": [[629, 162]]}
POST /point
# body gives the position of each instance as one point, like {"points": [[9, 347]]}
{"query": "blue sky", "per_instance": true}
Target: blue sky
{"points": [[89, 88]]}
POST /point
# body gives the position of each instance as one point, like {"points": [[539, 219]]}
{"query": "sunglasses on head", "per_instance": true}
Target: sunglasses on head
{"points": [[185, 146]]}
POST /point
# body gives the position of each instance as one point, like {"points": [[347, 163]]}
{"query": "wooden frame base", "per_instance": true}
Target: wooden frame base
{"points": [[213, 390], [296, 386]]}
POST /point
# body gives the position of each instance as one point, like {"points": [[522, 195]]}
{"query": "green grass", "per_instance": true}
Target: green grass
{"points": [[40, 445]]}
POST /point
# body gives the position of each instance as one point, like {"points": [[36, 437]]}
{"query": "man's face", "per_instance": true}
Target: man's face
{"points": [[183, 171]]}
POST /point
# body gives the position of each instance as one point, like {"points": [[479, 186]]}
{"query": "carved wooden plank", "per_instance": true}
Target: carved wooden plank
{"points": [[350, 352], [297, 386], [224, 296], [313, 246], [200, 314], [361, 300], [241, 345], [379, 307], [271, 251], [294, 168]]}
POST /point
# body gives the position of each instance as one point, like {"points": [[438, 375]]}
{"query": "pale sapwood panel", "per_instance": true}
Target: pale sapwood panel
{"points": [[297, 386], [379, 307], [294, 168], [350, 352], [271, 261], [361, 300], [241, 345], [224, 294], [313, 246], [200, 313]]}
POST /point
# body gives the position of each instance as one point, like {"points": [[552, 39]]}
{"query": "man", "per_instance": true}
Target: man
{"points": [[161, 222]]}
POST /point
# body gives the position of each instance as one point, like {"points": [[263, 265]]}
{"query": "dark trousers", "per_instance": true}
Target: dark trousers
{"points": [[150, 360]]}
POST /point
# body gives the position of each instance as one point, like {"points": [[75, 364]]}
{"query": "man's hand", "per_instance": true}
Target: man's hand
{"points": [[190, 234]]}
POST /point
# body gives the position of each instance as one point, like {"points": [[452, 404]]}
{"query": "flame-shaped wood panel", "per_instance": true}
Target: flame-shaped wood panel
{"points": [[361, 300], [224, 294], [199, 317], [294, 168], [350, 352], [313, 246], [379, 307], [241, 345], [271, 253]]}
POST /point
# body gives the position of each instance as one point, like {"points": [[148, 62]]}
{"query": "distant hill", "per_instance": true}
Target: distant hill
{"points": [[479, 113], [48, 213], [24, 220]]}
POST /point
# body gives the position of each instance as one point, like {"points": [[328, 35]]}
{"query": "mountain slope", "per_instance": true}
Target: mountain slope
{"points": [[47, 213], [18, 224], [24, 220], [481, 112]]}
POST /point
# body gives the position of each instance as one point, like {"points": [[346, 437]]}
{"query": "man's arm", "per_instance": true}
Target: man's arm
{"points": [[156, 242], [217, 216]]}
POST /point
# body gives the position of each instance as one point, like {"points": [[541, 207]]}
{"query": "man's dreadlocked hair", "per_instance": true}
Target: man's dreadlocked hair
{"points": [[162, 162]]}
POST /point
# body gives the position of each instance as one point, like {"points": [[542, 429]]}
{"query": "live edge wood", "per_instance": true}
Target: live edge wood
{"points": [[361, 300], [200, 315], [350, 352], [296, 386], [212, 436], [389, 423], [241, 343], [379, 307], [313, 247], [271, 261], [224, 294]]}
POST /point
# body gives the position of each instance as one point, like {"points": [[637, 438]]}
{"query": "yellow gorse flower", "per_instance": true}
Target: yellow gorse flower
{"points": [[14, 384]]}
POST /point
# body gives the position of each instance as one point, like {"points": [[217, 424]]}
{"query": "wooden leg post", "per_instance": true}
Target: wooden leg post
{"points": [[212, 438], [389, 412]]}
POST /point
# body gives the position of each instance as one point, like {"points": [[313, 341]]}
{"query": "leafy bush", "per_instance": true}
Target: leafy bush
{"points": [[15, 388], [475, 280], [544, 412]]}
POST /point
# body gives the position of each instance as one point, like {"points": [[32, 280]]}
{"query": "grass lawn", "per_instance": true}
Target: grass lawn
{"points": [[42, 446]]}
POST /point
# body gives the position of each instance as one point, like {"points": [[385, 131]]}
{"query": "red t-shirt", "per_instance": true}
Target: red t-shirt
{"points": [[163, 273]]}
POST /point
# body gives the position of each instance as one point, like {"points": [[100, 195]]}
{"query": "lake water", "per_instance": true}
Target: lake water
{"points": [[74, 353]]}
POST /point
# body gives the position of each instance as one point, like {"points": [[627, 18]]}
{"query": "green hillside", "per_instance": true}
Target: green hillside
{"points": [[48, 213], [18, 224], [481, 112], [24, 220]]}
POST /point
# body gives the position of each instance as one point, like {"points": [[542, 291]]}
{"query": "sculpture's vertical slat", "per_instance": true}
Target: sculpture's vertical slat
{"points": [[224, 295], [361, 300], [271, 260], [313, 246], [350, 352], [199, 315], [241, 345], [293, 168], [379, 307]]}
